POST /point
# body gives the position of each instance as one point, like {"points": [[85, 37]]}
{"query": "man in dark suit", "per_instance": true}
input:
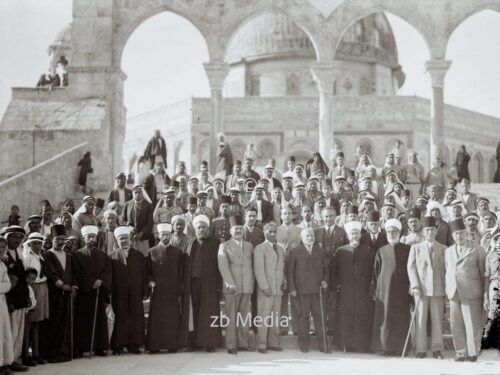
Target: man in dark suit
{"points": [[120, 193], [307, 275], [264, 208], [373, 238], [139, 213], [156, 150], [340, 169], [249, 172], [251, 233]]}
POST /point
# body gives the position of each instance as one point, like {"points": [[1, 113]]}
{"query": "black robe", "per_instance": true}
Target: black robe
{"points": [[164, 267], [209, 303], [88, 266], [128, 290], [59, 324], [391, 288], [351, 271]]}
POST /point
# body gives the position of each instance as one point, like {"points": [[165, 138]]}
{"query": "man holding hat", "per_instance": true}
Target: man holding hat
{"points": [[350, 272], [128, 288], [62, 291], [202, 289], [426, 271], [18, 295], [164, 275], [390, 289], [236, 267], [92, 276], [465, 281]]}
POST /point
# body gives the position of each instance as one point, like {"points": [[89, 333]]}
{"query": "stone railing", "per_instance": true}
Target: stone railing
{"points": [[54, 179]]}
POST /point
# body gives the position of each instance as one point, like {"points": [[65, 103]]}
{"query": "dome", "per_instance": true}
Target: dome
{"points": [[62, 39], [273, 35]]}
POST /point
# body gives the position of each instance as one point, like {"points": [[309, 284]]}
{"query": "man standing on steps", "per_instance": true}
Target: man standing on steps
{"points": [[426, 271], [156, 149]]}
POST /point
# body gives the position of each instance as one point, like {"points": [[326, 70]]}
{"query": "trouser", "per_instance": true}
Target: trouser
{"points": [[466, 320], [142, 246], [310, 305], [238, 312], [436, 307], [31, 338], [268, 306], [17, 320], [293, 314]]}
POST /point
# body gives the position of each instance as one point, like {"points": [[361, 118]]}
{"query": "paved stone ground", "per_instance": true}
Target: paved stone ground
{"points": [[288, 362]]}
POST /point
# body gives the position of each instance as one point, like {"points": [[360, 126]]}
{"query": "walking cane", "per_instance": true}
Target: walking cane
{"points": [[322, 316], [71, 319], [411, 326], [235, 324], [93, 323]]}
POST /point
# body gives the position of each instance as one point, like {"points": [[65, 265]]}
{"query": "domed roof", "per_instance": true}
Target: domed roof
{"points": [[273, 35], [62, 39]]}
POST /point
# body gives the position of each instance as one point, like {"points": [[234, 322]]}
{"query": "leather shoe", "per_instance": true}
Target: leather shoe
{"points": [[40, 360], [231, 351], [460, 358], [101, 353], [421, 355], [17, 367], [246, 349], [275, 348], [437, 354], [472, 358], [262, 351]]}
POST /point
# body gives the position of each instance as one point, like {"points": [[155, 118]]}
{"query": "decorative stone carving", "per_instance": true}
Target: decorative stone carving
{"points": [[216, 73], [437, 70]]}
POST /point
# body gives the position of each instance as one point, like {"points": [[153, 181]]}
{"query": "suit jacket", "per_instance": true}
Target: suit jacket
{"points": [[288, 240], [114, 195], [266, 210], [465, 273], [470, 202], [276, 183], [345, 172], [374, 246], [339, 239], [141, 220], [305, 271], [421, 269], [443, 235], [255, 237], [269, 267], [236, 266]]}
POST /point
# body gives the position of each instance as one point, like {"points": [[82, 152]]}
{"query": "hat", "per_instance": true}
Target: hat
{"points": [[89, 198], [138, 186], [339, 178], [99, 203], [340, 153], [238, 220], [34, 237], [168, 190], [457, 224], [389, 204], [428, 221], [202, 218], [287, 177], [109, 212], [372, 216], [35, 218], [413, 213], [57, 230], [352, 225], [240, 180], [238, 163], [193, 178], [489, 213], [175, 184], [14, 229], [259, 186], [165, 227], [262, 180], [352, 210], [177, 217], [471, 214], [120, 175], [483, 199], [395, 223], [234, 190], [313, 178], [291, 158], [218, 180], [456, 202], [225, 199], [89, 229], [268, 166], [300, 185], [122, 230], [192, 200], [423, 198]]}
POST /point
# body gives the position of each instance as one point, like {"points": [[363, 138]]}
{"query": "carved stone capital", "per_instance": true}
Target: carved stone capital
{"points": [[325, 73], [216, 73], [437, 69]]}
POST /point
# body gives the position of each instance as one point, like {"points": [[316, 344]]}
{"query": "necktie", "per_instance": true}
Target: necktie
{"points": [[275, 248]]}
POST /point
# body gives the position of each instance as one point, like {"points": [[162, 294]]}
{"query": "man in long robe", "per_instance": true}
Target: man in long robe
{"points": [[164, 274], [61, 296], [92, 276], [350, 270], [391, 287], [128, 289], [156, 149], [202, 290], [225, 158]]}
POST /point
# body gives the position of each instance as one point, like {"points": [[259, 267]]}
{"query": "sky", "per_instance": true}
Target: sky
{"points": [[163, 57]]}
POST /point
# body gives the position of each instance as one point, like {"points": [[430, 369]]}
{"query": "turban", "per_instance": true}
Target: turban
{"points": [[120, 231], [201, 218], [177, 217], [110, 213], [352, 225], [393, 223], [164, 227], [89, 229], [34, 237]]}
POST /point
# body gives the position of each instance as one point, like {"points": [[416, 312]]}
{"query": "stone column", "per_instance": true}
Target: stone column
{"points": [[216, 73], [437, 70], [324, 73]]}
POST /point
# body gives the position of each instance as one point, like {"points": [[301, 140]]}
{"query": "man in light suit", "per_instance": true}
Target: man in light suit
{"points": [[468, 199], [269, 268], [465, 280], [236, 267], [426, 271], [288, 236]]}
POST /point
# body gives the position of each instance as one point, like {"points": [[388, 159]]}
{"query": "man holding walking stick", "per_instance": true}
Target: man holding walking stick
{"points": [[92, 276], [307, 272]]}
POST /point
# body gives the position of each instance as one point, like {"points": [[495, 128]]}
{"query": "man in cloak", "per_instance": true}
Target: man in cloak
{"points": [[225, 158], [156, 149], [164, 274], [202, 290], [128, 288], [62, 292], [391, 288], [351, 269], [92, 277]]}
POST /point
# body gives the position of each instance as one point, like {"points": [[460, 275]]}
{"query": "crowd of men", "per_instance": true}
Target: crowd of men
{"points": [[362, 251]]}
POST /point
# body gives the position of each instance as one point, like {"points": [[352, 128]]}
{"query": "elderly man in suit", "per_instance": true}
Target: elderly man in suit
{"points": [[236, 267], [139, 213], [465, 280], [269, 269], [288, 236], [426, 271], [307, 275]]}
